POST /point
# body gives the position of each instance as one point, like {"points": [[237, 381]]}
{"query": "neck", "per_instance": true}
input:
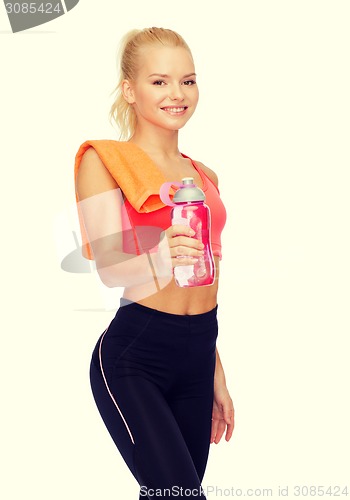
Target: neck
{"points": [[160, 142]]}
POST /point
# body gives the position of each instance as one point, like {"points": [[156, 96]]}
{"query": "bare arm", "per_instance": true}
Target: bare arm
{"points": [[101, 201], [223, 411], [219, 378]]}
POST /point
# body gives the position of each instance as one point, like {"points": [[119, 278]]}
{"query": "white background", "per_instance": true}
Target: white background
{"points": [[273, 122]]}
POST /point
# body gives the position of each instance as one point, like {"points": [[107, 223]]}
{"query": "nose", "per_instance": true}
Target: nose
{"points": [[176, 93]]}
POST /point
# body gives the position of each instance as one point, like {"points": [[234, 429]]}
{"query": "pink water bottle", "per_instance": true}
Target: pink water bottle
{"points": [[189, 209]]}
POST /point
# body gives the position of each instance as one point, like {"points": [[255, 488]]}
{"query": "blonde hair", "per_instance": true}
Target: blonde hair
{"points": [[128, 55]]}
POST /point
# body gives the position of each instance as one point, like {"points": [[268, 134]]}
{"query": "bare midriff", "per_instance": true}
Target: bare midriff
{"points": [[174, 299]]}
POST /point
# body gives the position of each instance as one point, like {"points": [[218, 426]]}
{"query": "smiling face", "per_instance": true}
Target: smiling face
{"points": [[165, 92]]}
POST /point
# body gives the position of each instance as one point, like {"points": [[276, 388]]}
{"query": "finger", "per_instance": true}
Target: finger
{"points": [[178, 229], [186, 241], [229, 431], [214, 428], [228, 413], [182, 251], [183, 261], [180, 254], [220, 430]]}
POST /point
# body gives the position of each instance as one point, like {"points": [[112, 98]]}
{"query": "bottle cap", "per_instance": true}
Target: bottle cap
{"points": [[188, 192]]}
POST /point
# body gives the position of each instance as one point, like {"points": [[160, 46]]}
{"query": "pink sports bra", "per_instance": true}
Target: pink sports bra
{"points": [[141, 231]]}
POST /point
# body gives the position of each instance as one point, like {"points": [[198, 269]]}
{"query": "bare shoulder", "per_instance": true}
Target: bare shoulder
{"points": [[93, 177], [209, 172]]}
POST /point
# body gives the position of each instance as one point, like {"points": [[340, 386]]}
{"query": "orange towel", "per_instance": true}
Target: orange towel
{"points": [[135, 172]]}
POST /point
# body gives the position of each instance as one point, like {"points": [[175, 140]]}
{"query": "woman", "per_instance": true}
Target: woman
{"points": [[155, 373]]}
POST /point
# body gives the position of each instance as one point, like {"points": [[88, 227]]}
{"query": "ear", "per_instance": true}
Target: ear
{"points": [[128, 91]]}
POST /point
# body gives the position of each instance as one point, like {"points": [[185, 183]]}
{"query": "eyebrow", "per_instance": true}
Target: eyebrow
{"points": [[167, 76]]}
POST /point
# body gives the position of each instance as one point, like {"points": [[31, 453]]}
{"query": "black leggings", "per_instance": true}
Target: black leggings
{"points": [[152, 376]]}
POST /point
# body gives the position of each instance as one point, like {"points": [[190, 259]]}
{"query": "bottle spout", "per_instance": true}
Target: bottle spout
{"points": [[188, 181]]}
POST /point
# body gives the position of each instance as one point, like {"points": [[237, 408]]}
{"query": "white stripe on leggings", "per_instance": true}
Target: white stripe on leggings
{"points": [[109, 392]]}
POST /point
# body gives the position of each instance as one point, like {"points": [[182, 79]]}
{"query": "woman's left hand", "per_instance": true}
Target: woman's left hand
{"points": [[223, 414]]}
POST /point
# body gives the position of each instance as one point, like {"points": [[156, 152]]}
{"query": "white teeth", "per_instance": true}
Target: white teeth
{"points": [[175, 110]]}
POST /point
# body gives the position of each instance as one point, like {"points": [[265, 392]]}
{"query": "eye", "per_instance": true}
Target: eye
{"points": [[158, 82], [190, 82]]}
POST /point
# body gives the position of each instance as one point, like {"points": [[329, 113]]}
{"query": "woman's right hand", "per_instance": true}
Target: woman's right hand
{"points": [[177, 247]]}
